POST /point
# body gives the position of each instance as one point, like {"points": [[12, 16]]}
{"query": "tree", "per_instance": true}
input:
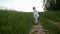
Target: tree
{"points": [[50, 5], [57, 4]]}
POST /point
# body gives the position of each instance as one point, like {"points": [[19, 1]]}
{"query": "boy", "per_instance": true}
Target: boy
{"points": [[35, 15]]}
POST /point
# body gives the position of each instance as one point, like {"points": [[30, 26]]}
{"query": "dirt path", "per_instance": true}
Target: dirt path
{"points": [[37, 29]]}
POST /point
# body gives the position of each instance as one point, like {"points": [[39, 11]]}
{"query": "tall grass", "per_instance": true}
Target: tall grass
{"points": [[52, 29], [12, 22], [52, 15], [44, 20]]}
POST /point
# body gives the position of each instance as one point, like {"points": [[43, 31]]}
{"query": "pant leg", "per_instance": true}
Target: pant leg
{"points": [[36, 19]]}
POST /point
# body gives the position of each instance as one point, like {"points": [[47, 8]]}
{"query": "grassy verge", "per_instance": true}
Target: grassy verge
{"points": [[52, 29], [52, 15], [12, 22], [44, 19]]}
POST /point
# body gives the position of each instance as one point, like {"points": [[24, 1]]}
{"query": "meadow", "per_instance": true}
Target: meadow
{"points": [[50, 21], [52, 15], [13, 22]]}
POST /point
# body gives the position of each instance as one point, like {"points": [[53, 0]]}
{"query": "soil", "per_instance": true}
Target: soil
{"points": [[37, 29]]}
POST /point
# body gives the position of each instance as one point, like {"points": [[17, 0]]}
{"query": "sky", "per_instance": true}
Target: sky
{"points": [[22, 5]]}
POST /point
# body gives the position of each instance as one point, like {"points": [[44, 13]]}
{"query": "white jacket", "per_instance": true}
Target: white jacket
{"points": [[36, 13]]}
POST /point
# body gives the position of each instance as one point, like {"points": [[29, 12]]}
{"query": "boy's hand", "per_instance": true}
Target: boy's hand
{"points": [[37, 15]]}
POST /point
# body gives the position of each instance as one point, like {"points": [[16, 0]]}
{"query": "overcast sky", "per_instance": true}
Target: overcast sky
{"points": [[22, 5]]}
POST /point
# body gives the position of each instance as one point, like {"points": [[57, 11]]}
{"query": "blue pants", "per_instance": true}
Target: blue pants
{"points": [[36, 19]]}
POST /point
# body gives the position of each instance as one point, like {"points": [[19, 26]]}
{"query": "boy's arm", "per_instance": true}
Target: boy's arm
{"points": [[38, 15]]}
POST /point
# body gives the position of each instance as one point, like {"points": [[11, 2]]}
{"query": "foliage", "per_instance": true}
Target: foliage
{"points": [[44, 20], [51, 28], [12, 22], [52, 5], [52, 15]]}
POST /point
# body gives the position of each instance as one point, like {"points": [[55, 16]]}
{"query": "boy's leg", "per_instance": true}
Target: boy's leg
{"points": [[36, 20]]}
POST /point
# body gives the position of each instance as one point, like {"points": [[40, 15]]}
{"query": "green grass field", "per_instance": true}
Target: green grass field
{"points": [[13, 22], [51, 27], [52, 15]]}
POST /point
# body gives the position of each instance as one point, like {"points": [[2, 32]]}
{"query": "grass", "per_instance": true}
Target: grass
{"points": [[12, 22], [52, 15], [44, 19], [52, 29]]}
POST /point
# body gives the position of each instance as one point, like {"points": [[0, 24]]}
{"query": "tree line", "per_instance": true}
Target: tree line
{"points": [[51, 5]]}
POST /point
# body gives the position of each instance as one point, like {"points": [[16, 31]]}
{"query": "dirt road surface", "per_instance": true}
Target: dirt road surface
{"points": [[36, 29]]}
